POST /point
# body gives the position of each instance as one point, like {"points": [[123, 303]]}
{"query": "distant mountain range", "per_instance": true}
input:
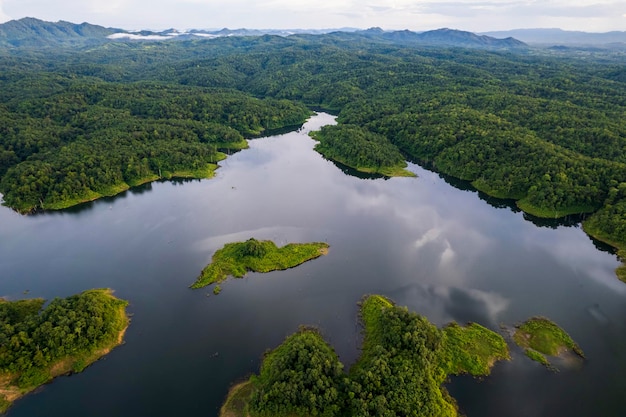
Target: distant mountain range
{"points": [[562, 37], [35, 33], [31, 32]]}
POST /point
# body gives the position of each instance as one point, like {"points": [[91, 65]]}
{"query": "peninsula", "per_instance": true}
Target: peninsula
{"points": [[38, 344], [361, 150], [404, 362], [238, 258]]}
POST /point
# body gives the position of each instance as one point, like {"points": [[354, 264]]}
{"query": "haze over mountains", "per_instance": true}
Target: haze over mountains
{"points": [[32, 32], [562, 37]]}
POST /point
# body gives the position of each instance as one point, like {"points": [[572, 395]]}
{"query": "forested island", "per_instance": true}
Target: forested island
{"points": [[542, 127], [403, 364], [39, 343], [238, 258]]}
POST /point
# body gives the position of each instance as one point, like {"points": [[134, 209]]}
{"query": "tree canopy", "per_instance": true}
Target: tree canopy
{"points": [[38, 343]]}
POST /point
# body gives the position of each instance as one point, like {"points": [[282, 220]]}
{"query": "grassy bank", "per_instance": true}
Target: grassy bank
{"points": [[237, 258], [65, 337], [593, 229], [398, 170], [236, 403], [471, 349], [550, 213]]}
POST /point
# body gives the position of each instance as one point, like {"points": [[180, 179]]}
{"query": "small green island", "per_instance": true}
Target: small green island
{"points": [[539, 336], [39, 343], [238, 258], [404, 362], [361, 150]]}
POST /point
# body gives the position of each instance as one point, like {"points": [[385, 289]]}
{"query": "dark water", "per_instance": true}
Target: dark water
{"points": [[440, 250]]}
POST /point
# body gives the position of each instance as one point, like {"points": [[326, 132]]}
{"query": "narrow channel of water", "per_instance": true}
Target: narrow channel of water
{"points": [[438, 249]]}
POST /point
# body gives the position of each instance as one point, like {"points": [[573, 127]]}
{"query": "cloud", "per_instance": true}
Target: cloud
{"points": [[430, 236], [590, 15], [3, 16], [463, 304]]}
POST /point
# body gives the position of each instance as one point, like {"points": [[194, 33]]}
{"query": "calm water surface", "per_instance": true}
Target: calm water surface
{"points": [[440, 250]]}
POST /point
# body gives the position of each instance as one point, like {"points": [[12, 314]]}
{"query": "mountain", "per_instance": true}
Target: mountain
{"points": [[31, 32], [563, 37], [442, 37], [452, 37]]}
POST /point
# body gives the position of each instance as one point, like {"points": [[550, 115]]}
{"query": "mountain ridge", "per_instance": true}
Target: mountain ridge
{"points": [[30, 32]]}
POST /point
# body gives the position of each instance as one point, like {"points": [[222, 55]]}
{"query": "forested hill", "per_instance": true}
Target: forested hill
{"points": [[547, 131], [31, 32]]}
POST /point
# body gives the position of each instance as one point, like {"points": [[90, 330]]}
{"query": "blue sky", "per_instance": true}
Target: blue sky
{"points": [[476, 16]]}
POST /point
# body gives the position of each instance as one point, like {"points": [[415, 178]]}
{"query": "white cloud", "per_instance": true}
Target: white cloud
{"points": [[3, 16], [430, 236], [590, 15]]}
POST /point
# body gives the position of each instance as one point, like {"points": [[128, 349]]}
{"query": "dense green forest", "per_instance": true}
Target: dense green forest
{"points": [[404, 362], [38, 343], [545, 129]]}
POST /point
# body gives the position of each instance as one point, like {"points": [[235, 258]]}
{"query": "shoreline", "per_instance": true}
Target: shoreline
{"points": [[207, 172], [390, 171], [527, 208], [67, 365], [236, 259]]}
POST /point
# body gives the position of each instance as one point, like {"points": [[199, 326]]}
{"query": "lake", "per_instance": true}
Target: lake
{"points": [[440, 250]]}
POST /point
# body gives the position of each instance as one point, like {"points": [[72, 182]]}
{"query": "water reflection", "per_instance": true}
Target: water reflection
{"points": [[358, 174]]}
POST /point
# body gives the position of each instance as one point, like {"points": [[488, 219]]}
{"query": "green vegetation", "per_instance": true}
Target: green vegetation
{"points": [[217, 289], [361, 150], [66, 336], [237, 401], [539, 336], [238, 258], [621, 270], [472, 349], [404, 362], [538, 357], [300, 377], [399, 372]]}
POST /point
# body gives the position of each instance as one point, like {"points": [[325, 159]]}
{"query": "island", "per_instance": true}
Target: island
{"points": [[38, 344], [361, 150], [539, 336], [404, 362], [238, 258]]}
